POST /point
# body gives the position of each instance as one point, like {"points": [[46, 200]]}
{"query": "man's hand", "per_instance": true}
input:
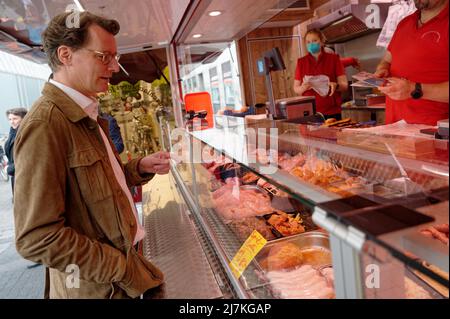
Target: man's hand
{"points": [[398, 89], [157, 163]]}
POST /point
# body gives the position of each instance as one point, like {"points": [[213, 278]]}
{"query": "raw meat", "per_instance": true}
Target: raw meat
{"points": [[233, 202], [287, 163], [301, 283]]}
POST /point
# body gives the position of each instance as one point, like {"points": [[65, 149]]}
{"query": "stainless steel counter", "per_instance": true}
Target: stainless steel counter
{"points": [[173, 245]]}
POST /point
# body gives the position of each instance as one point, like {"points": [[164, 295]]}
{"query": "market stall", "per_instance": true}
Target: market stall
{"points": [[294, 209]]}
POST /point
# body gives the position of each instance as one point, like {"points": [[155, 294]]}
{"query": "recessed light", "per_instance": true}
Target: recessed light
{"points": [[196, 36], [214, 13]]}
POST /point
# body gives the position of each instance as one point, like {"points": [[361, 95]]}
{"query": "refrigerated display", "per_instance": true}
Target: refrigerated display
{"points": [[339, 220]]}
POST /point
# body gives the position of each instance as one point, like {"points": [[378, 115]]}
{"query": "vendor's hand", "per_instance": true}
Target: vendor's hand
{"points": [[333, 86], [157, 163], [357, 65], [381, 73], [397, 89], [305, 86]]}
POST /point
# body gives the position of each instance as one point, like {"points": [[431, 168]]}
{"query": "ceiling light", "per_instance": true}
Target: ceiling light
{"points": [[196, 36], [214, 13]]}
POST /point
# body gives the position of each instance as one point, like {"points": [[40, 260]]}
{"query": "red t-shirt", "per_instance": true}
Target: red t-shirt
{"points": [[419, 55], [327, 64]]}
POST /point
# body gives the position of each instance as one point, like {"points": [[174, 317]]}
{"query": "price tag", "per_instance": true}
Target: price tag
{"points": [[251, 247]]}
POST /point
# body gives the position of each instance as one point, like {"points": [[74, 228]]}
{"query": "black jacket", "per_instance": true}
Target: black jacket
{"points": [[9, 150]]}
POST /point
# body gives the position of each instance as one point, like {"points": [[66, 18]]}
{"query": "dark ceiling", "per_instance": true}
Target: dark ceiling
{"points": [[144, 65]]}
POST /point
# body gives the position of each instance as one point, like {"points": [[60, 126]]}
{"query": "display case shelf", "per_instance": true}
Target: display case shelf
{"points": [[389, 180]]}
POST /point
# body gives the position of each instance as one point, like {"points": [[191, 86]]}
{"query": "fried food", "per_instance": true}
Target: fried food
{"points": [[285, 224]]}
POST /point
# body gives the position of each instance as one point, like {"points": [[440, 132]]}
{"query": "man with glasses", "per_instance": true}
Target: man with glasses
{"points": [[74, 212]]}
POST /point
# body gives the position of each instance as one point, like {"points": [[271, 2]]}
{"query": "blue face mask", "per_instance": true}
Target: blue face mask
{"points": [[313, 47]]}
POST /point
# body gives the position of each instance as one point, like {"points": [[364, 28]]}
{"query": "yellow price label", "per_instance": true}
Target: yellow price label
{"points": [[251, 247]]}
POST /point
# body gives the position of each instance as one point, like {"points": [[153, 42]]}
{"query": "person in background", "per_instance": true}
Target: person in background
{"points": [[114, 132], [73, 210], [416, 66], [15, 117], [346, 62], [319, 62]]}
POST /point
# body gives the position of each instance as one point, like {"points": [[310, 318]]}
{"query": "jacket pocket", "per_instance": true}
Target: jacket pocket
{"points": [[97, 194], [90, 174]]}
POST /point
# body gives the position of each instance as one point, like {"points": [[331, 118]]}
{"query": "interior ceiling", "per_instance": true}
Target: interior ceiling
{"points": [[143, 22], [238, 18], [145, 65], [148, 24]]}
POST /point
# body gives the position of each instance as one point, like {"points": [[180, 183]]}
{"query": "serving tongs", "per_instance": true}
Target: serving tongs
{"points": [[404, 179]]}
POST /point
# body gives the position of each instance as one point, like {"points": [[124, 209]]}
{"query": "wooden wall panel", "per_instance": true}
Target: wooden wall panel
{"points": [[252, 47], [282, 80], [245, 71], [272, 32], [288, 39]]}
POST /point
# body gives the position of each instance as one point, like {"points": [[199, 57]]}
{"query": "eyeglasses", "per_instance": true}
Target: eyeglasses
{"points": [[104, 57]]}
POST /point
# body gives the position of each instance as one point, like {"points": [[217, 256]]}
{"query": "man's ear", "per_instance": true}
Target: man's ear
{"points": [[65, 55]]}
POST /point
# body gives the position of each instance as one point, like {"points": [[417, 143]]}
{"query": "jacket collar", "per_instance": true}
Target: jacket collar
{"points": [[63, 102]]}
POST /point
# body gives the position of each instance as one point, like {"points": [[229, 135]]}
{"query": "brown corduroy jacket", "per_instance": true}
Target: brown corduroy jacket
{"points": [[70, 212]]}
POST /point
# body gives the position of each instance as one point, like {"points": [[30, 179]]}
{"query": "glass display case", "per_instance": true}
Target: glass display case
{"points": [[346, 213]]}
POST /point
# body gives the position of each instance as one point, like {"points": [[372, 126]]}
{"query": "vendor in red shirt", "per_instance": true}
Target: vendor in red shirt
{"points": [[319, 62], [416, 64]]}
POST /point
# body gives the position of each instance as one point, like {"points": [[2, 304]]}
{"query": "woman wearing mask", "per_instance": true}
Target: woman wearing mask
{"points": [[15, 116], [319, 62]]}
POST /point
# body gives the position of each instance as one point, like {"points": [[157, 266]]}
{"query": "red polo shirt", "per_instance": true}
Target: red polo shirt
{"points": [[419, 55], [327, 64]]}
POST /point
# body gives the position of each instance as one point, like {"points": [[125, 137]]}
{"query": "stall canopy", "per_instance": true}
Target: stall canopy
{"points": [[146, 65], [14, 65]]}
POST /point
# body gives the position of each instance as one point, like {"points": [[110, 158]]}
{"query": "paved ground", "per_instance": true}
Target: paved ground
{"points": [[16, 280]]}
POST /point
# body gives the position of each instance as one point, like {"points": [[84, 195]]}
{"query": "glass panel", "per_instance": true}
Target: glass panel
{"points": [[212, 68], [397, 195]]}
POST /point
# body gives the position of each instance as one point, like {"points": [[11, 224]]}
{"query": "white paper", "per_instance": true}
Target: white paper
{"points": [[319, 83], [400, 128]]}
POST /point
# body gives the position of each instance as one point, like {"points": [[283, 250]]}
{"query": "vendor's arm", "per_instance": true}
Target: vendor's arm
{"points": [[384, 67], [400, 89], [343, 85], [351, 61]]}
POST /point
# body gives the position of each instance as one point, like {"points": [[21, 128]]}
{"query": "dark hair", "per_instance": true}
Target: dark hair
{"points": [[59, 32], [318, 33], [18, 111]]}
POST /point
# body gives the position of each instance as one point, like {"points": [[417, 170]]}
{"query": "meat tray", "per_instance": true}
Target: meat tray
{"points": [[316, 239], [295, 256]]}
